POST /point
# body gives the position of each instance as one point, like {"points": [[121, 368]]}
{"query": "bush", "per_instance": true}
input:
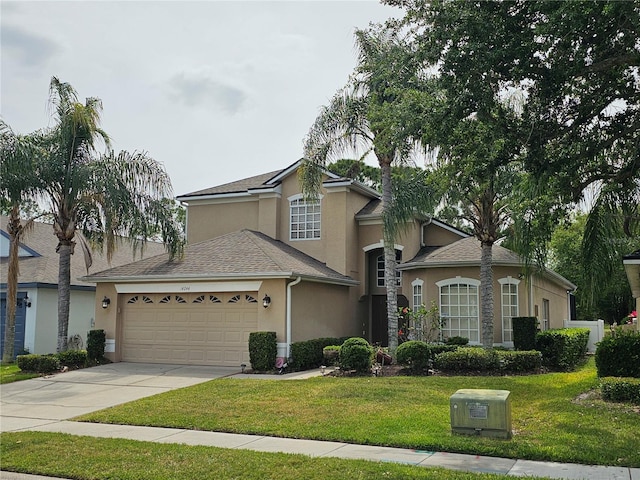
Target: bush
{"points": [[524, 332], [520, 361], [615, 389], [437, 348], [618, 355], [309, 354], [330, 354], [562, 348], [38, 363], [96, 340], [467, 360], [457, 341], [73, 358], [356, 354], [263, 349], [414, 354]]}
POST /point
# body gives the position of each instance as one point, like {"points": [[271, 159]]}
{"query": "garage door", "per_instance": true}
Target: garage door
{"points": [[191, 329]]}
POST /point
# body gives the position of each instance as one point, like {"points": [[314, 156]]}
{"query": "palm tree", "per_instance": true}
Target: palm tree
{"points": [[19, 181], [102, 196], [359, 120]]}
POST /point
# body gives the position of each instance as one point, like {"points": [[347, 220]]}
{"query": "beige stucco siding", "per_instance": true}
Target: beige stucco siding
{"points": [[321, 310], [210, 220], [437, 236], [543, 289]]}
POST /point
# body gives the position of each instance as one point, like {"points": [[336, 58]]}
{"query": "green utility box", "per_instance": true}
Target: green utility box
{"points": [[481, 412]]}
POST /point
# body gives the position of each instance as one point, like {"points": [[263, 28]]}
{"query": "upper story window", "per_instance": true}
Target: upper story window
{"points": [[304, 218], [380, 270]]}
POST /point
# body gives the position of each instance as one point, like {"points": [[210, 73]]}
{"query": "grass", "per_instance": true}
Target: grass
{"points": [[106, 458], [409, 412], [10, 372]]}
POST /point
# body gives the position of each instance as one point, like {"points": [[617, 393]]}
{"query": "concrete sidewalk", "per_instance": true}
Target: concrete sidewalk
{"points": [[46, 404]]}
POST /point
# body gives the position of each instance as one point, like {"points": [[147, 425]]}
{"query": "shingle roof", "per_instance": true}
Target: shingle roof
{"points": [[243, 253], [44, 269], [464, 251], [238, 186]]}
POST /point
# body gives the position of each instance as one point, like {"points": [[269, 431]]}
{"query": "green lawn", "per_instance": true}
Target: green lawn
{"points": [[11, 373], [108, 458], [411, 412]]}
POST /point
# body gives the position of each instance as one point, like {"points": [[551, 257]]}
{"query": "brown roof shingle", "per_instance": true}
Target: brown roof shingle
{"points": [[243, 253]]}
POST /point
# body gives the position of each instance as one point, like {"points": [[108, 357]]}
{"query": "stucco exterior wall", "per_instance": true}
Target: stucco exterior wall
{"points": [[321, 310], [436, 236], [543, 289], [210, 220]]}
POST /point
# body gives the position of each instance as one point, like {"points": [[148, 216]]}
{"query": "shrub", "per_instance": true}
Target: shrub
{"points": [[414, 354], [520, 361], [562, 348], [38, 363], [330, 354], [263, 349], [437, 348], [457, 341], [524, 332], [467, 360], [618, 355], [96, 340], [309, 353], [73, 358], [356, 354], [616, 389]]}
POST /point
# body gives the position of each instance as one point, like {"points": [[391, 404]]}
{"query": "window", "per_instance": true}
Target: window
{"points": [[304, 218], [459, 308], [417, 293], [380, 270], [545, 314], [509, 296]]}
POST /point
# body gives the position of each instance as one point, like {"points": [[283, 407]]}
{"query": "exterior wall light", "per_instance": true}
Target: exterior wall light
{"points": [[105, 302], [27, 301], [266, 301]]}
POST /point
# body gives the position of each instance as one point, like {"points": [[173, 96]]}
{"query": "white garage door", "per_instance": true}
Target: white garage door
{"points": [[191, 329]]}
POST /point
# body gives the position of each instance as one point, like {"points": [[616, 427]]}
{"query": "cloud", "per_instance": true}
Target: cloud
{"points": [[29, 49], [199, 88]]}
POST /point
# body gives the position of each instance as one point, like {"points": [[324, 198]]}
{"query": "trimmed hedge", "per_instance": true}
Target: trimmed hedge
{"points": [[96, 340], [263, 349], [562, 348], [309, 354], [34, 363], [437, 348], [473, 360], [73, 358], [356, 354], [457, 340], [415, 355], [616, 389], [618, 355], [524, 332]]}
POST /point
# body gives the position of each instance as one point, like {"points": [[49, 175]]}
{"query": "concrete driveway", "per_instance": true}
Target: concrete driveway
{"points": [[50, 399]]}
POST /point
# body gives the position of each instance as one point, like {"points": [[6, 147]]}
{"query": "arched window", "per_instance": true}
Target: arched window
{"points": [[417, 285], [510, 307], [380, 270], [304, 218], [459, 308]]}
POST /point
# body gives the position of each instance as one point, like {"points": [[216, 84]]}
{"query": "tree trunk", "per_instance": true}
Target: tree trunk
{"points": [[486, 294], [64, 293], [389, 261], [13, 269]]}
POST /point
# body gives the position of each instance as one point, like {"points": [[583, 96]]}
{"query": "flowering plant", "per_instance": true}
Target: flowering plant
{"points": [[420, 324]]}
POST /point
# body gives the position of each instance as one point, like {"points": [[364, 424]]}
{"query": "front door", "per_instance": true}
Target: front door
{"points": [[379, 323], [21, 315]]}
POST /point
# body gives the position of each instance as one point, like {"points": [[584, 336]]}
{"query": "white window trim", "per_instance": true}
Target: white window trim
{"points": [[464, 281], [300, 197], [417, 302], [383, 277], [508, 281]]}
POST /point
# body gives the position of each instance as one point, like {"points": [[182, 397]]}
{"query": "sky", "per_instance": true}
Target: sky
{"points": [[216, 91]]}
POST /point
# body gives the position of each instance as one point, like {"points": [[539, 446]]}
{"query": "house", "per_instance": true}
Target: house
{"points": [[632, 268], [37, 308], [261, 258]]}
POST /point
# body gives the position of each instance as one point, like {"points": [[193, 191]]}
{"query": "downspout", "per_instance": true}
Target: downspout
{"points": [[422, 225], [292, 284]]}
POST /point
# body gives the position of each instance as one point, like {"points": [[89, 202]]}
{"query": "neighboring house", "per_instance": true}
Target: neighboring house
{"points": [[262, 258], [37, 308], [632, 267]]}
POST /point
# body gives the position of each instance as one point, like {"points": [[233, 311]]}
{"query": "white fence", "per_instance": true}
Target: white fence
{"points": [[596, 328]]}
